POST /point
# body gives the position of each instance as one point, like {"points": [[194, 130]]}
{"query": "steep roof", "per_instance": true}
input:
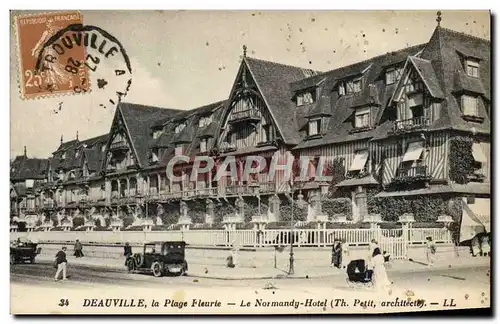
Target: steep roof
{"points": [[447, 50], [338, 110], [273, 81], [139, 119], [23, 168]]}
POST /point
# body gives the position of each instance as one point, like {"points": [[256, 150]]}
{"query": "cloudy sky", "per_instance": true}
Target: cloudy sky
{"points": [[184, 59]]}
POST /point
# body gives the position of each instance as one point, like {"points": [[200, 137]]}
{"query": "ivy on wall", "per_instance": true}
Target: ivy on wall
{"points": [[197, 211], [332, 206], [335, 169], [425, 208], [171, 213], [299, 213], [461, 159], [222, 209]]}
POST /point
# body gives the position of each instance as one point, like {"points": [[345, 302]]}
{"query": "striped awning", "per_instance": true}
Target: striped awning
{"points": [[478, 153], [414, 151], [473, 224]]}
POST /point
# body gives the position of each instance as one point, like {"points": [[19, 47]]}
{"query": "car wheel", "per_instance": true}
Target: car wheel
{"points": [[157, 269], [130, 265]]}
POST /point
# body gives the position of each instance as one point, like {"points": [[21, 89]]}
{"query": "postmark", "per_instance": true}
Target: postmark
{"points": [[105, 60], [33, 32]]}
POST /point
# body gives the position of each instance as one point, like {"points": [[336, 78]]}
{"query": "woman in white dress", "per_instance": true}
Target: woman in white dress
{"points": [[380, 279]]}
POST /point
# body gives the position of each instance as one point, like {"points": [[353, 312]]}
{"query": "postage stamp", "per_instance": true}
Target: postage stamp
{"points": [[262, 162], [59, 73]]}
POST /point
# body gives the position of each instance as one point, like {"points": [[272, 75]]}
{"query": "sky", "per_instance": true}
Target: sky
{"points": [[187, 59]]}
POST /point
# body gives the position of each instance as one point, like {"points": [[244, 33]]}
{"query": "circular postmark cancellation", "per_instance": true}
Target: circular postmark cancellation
{"points": [[105, 62]]}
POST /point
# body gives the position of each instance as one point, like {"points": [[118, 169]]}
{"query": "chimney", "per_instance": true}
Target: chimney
{"points": [[61, 139], [77, 135], [25, 151]]}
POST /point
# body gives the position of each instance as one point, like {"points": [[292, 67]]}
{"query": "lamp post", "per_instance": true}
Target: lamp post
{"points": [[291, 269]]}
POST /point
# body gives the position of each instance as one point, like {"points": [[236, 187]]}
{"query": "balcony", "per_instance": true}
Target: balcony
{"points": [[119, 146], [48, 204], [237, 190], [411, 125], [412, 174], [250, 115]]}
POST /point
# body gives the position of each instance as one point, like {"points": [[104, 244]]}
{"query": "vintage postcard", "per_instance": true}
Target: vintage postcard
{"points": [[250, 162]]}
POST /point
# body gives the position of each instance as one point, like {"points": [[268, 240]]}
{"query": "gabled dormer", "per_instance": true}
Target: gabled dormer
{"points": [[416, 102], [305, 97], [393, 73], [179, 126]]}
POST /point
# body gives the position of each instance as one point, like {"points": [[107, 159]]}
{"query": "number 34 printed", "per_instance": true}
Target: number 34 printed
{"points": [[63, 303]]}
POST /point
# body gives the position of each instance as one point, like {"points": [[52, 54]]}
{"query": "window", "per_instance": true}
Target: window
{"points": [[392, 75], [362, 118], [179, 127], [469, 106], [103, 148], [305, 98], [414, 151], [63, 156], [472, 68], [357, 85], [342, 89], [157, 134], [178, 150], [314, 127], [359, 160], [76, 154], [204, 121], [203, 145], [154, 155]]}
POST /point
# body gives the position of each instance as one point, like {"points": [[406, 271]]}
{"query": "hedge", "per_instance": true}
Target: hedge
{"points": [[299, 214], [337, 206], [347, 225], [197, 211], [425, 208]]}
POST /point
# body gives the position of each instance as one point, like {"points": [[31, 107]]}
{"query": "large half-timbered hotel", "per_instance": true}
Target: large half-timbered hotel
{"points": [[410, 125]]}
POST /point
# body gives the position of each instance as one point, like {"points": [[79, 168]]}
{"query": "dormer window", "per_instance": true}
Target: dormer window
{"points": [[205, 121], [179, 127], [203, 145], [314, 127], [472, 67], [76, 154], [349, 87], [305, 98], [470, 106], [157, 133], [103, 148], [392, 75], [154, 154], [63, 156], [362, 118]]}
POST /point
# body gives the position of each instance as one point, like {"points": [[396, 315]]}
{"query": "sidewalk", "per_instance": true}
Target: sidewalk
{"points": [[224, 273]]}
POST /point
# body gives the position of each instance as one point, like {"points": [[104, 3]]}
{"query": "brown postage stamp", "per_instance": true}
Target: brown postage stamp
{"points": [[47, 67]]}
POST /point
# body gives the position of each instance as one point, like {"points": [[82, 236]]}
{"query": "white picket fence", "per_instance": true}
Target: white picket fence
{"points": [[392, 240]]}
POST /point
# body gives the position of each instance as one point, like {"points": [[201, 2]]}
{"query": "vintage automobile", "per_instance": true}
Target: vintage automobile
{"points": [[21, 252], [159, 258]]}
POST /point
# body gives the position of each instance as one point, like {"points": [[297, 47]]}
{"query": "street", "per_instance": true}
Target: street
{"points": [[470, 284]]}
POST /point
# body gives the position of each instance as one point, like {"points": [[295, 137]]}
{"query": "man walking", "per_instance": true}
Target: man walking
{"points": [[78, 249], [61, 262]]}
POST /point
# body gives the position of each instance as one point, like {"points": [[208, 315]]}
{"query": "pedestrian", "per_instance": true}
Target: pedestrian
{"points": [[78, 249], [60, 263], [485, 246], [430, 251], [369, 263], [380, 279], [373, 246], [337, 253], [127, 250], [345, 253], [476, 246]]}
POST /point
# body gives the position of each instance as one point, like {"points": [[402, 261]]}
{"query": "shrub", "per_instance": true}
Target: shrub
{"points": [[425, 208], [336, 169], [337, 206], [128, 220], [347, 225], [197, 211], [299, 214], [171, 213], [222, 209]]}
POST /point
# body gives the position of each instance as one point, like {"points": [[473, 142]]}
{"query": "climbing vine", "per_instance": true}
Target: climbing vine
{"points": [[299, 213], [336, 170], [333, 206], [461, 159]]}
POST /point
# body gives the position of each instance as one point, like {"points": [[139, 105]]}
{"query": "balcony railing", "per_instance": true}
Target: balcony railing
{"points": [[245, 115], [120, 145], [49, 204], [411, 124], [419, 171]]}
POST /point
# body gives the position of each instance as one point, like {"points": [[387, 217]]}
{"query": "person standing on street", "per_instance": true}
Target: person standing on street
{"points": [[345, 253], [127, 250], [430, 251], [78, 249], [61, 263], [381, 281], [337, 254]]}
